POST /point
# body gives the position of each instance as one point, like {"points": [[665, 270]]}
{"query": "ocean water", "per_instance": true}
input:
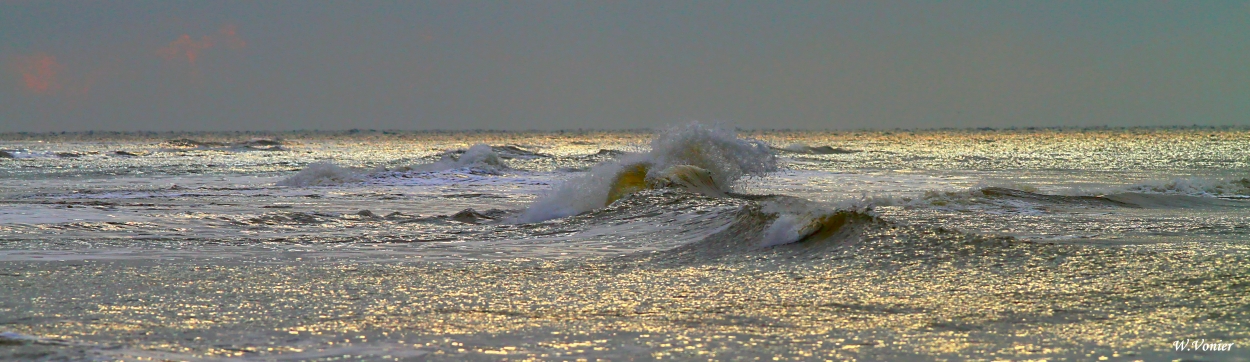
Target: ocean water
{"points": [[696, 242]]}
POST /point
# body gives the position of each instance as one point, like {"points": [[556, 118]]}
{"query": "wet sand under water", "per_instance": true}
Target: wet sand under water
{"points": [[865, 300]]}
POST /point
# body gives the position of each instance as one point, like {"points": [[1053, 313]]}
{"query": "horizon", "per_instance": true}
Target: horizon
{"points": [[637, 130]]}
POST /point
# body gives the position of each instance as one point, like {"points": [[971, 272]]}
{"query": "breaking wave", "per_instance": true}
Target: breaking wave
{"points": [[322, 174], [1239, 188], [749, 226], [700, 158], [480, 157], [798, 220]]}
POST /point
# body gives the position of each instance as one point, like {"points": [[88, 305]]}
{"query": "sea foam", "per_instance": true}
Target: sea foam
{"points": [[716, 150], [1195, 187], [479, 157], [321, 174]]}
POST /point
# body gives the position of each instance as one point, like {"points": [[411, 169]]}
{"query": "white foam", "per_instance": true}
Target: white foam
{"points": [[1195, 187], [788, 228], [26, 154], [718, 150], [479, 157], [585, 192], [321, 174], [798, 218], [798, 147], [713, 148], [14, 336]]}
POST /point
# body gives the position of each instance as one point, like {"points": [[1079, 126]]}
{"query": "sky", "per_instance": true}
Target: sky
{"points": [[422, 65]]}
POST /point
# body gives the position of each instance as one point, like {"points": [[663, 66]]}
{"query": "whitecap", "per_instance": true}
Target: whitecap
{"points": [[479, 157], [712, 149], [321, 174]]}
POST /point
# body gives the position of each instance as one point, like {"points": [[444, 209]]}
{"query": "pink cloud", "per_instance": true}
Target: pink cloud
{"points": [[190, 49], [40, 73], [230, 36], [185, 47]]}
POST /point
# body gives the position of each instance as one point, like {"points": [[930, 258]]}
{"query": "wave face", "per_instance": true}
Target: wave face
{"points": [[718, 153]]}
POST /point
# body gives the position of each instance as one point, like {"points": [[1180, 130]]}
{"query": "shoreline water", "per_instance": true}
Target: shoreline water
{"points": [[742, 306]]}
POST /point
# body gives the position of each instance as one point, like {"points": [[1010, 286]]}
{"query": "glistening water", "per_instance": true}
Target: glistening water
{"points": [[696, 242]]}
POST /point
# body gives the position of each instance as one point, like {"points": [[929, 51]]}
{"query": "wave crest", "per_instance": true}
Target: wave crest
{"points": [[681, 156], [716, 149], [321, 174], [479, 157]]}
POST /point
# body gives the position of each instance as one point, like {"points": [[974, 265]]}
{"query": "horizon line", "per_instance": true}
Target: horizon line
{"points": [[627, 130]]}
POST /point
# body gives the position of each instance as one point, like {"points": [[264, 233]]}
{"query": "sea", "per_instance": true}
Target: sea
{"points": [[696, 241]]}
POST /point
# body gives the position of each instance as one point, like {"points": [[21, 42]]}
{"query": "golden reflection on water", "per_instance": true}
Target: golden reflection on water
{"points": [[1017, 300], [1108, 302]]}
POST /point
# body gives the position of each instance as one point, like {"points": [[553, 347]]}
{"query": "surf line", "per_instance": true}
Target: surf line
{"points": [[1202, 345]]}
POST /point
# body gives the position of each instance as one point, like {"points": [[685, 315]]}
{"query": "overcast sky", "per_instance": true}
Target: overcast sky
{"points": [[282, 65]]}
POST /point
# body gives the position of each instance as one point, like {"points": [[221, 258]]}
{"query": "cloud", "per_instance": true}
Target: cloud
{"points": [[230, 36], [186, 47], [40, 73], [43, 75]]}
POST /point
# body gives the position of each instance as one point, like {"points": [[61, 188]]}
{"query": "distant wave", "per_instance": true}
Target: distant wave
{"points": [[28, 154], [1020, 196], [1238, 188], [479, 159], [321, 174], [255, 144], [821, 150], [508, 152]]}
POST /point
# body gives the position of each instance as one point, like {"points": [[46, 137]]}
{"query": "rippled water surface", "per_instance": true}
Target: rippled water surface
{"points": [[919, 245]]}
